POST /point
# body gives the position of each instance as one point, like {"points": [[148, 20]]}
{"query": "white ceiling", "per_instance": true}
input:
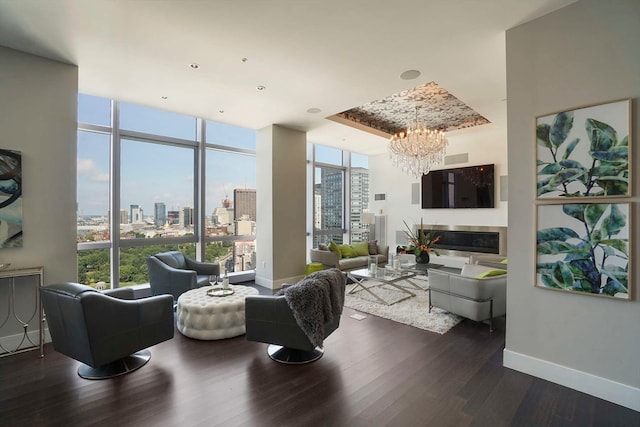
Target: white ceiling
{"points": [[328, 54]]}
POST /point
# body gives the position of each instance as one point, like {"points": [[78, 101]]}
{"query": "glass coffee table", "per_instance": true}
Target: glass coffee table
{"points": [[366, 281]]}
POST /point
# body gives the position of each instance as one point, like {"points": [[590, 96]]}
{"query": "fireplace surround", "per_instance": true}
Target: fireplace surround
{"points": [[465, 240]]}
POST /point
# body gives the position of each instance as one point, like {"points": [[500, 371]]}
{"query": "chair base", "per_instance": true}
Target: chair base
{"points": [[293, 356], [119, 367]]}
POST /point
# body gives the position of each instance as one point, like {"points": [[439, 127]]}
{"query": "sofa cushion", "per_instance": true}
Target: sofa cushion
{"points": [[473, 270], [361, 248], [353, 263], [491, 273], [333, 247], [373, 247], [347, 251], [323, 247]]}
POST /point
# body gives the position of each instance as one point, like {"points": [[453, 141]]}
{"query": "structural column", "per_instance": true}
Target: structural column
{"points": [[280, 206]]}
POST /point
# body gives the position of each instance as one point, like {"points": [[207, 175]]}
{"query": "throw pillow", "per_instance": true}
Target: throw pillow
{"points": [[491, 273], [333, 247], [373, 247], [347, 251], [361, 248], [323, 247], [504, 261]]}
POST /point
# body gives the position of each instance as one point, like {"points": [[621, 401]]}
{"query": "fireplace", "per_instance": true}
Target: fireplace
{"points": [[464, 240]]}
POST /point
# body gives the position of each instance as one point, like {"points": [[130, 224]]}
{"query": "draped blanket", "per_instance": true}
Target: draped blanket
{"points": [[315, 300]]}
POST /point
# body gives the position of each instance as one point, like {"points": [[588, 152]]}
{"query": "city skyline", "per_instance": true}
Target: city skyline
{"points": [[152, 173]]}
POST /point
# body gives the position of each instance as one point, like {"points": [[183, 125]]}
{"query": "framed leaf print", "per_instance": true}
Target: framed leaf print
{"points": [[584, 248], [584, 152]]}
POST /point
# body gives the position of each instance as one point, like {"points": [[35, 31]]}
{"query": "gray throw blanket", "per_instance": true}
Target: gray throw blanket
{"points": [[316, 300]]}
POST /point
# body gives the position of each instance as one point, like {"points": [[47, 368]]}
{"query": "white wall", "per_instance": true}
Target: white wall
{"points": [[484, 145], [38, 117], [583, 54]]}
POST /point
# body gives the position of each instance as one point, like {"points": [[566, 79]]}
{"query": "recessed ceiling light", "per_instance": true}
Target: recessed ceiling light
{"points": [[221, 111], [410, 75], [314, 110], [245, 59], [165, 97], [194, 66], [260, 87]]}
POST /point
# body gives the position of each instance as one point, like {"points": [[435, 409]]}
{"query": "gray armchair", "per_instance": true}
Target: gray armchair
{"points": [[107, 334], [468, 294], [174, 273], [296, 323]]}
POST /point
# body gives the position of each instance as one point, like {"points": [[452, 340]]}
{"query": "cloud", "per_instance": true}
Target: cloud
{"points": [[88, 168]]}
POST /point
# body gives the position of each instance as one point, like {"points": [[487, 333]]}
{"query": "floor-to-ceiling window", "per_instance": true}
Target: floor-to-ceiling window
{"points": [[140, 192], [340, 195]]}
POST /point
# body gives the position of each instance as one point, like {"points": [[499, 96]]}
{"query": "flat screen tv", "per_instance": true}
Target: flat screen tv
{"points": [[465, 187]]}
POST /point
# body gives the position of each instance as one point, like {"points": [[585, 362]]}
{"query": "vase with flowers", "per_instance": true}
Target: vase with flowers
{"points": [[421, 242]]}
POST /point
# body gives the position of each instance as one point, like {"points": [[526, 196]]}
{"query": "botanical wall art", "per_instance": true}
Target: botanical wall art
{"points": [[10, 199], [584, 152], [584, 248]]}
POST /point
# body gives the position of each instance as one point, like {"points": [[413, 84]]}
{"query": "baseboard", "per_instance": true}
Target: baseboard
{"points": [[11, 342], [276, 284], [612, 391]]}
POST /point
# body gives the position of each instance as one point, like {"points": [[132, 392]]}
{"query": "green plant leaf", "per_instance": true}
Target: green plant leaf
{"points": [[572, 145], [556, 247], [550, 169], [566, 176], [575, 210], [623, 142], [622, 245], [601, 135], [613, 287], [593, 213], [562, 275], [547, 280], [542, 135], [562, 124], [613, 154], [588, 271], [613, 223], [556, 234], [613, 186]]}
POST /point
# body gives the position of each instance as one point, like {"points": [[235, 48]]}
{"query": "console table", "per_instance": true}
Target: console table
{"points": [[18, 316]]}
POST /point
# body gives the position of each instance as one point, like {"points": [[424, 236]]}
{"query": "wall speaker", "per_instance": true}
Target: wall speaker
{"points": [[456, 158], [415, 193]]}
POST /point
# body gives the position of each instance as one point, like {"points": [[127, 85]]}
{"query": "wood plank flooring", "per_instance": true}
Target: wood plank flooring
{"points": [[375, 372]]}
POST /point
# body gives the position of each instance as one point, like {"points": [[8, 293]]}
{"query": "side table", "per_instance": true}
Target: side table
{"points": [[18, 315]]}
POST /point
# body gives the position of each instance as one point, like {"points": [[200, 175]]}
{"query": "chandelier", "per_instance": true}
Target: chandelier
{"points": [[418, 149]]}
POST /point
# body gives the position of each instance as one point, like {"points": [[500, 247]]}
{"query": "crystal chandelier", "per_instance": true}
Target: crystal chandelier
{"points": [[418, 149]]}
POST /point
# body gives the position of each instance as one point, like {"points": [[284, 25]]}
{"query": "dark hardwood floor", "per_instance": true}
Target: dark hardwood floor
{"points": [[375, 372]]}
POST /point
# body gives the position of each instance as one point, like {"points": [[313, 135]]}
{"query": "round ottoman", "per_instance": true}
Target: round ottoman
{"points": [[205, 317]]}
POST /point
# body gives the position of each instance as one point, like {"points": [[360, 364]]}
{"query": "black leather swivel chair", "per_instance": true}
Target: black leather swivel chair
{"points": [[174, 273], [107, 334], [270, 318]]}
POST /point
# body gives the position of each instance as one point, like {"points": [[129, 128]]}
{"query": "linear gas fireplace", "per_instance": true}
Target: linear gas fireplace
{"points": [[463, 240]]}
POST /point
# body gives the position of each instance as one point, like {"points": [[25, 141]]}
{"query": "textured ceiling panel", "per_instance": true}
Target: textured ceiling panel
{"points": [[437, 108]]}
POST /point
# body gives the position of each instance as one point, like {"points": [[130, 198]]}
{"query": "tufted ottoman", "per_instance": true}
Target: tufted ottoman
{"points": [[205, 317]]}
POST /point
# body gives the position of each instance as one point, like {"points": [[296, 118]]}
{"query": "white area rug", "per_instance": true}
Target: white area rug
{"points": [[412, 311]]}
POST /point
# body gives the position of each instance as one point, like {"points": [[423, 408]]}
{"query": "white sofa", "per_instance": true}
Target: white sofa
{"points": [[468, 295]]}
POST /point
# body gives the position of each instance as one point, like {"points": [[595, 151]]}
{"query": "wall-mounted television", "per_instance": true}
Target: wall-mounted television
{"points": [[465, 187]]}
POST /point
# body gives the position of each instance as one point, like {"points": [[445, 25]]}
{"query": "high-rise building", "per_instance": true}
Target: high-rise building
{"points": [[173, 217], [244, 201], [124, 219], [187, 217], [160, 214], [136, 214], [359, 203]]}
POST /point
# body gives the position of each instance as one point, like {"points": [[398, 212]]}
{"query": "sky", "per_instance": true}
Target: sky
{"points": [[153, 173]]}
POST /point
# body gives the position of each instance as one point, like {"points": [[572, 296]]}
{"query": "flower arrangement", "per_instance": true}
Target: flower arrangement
{"points": [[421, 241]]}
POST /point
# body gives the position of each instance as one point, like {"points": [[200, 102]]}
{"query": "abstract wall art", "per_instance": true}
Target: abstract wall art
{"points": [[10, 199]]}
